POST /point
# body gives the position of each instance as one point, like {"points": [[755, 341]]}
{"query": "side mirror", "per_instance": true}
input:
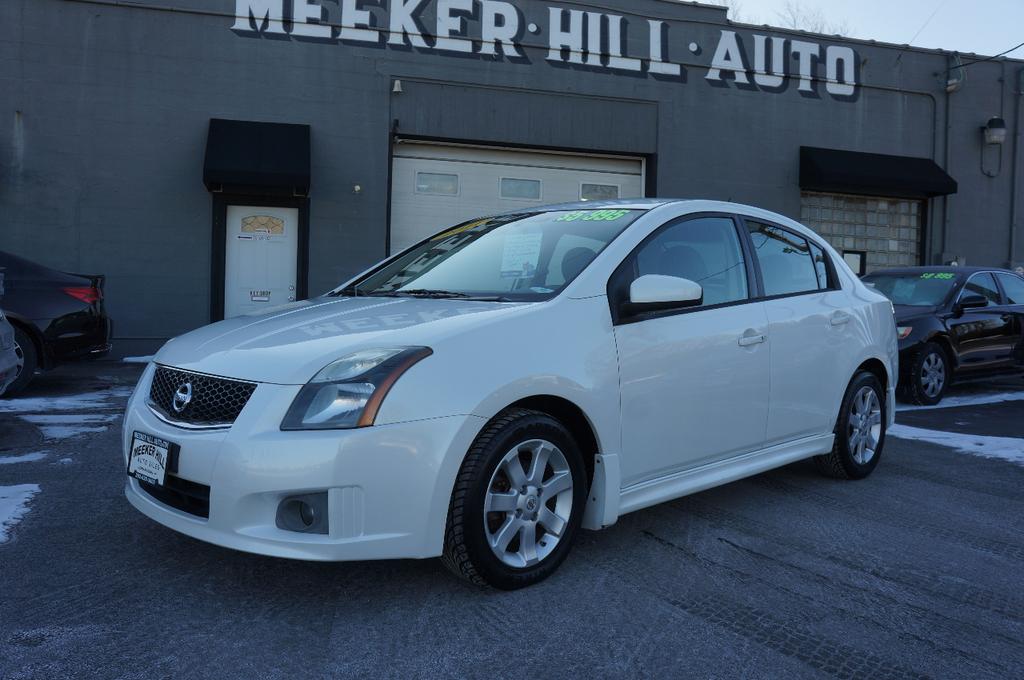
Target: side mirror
{"points": [[654, 292], [971, 302]]}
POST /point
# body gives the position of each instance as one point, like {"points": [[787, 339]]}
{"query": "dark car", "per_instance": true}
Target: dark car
{"points": [[57, 317], [953, 323]]}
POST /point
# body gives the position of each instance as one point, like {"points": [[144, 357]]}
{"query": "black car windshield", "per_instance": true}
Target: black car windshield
{"points": [[523, 257], [920, 289]]}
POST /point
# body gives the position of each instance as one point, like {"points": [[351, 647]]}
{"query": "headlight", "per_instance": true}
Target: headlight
{"points": [[348, 393], [904, 332]]}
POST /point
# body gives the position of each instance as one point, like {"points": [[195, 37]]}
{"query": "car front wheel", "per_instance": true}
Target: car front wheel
{"points": [[517, 503], [860, 430]]}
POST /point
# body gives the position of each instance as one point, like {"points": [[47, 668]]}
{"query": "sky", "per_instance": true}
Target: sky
{"points": [[969, 26]]}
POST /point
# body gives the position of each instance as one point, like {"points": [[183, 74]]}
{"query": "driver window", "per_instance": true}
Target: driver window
{"points": [[984, 285], [706, 250]]}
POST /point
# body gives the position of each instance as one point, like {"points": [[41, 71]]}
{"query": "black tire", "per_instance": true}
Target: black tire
{"points": [[27, 349], [842, 462], [914, 387], [467, 551]]}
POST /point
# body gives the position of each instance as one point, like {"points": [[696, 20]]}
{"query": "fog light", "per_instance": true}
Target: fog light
{"points": [[305, 514]]}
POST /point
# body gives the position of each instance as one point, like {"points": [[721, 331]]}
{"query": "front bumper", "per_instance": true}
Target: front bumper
{"points": [[388, 487]]}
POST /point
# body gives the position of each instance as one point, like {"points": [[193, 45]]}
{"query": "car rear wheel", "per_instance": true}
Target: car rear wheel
{"points": [[518, 502], [928, 376], [28, 361], [860, 431]]}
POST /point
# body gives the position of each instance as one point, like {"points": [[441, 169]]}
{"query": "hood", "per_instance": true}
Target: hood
{"points": [[910, 312], [289, 344]]}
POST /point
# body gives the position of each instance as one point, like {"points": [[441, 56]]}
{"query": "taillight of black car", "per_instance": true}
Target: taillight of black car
{"points": [[87, 294]]}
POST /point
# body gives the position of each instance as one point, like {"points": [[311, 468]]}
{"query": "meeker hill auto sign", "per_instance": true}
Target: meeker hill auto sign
{"points": [[496, 29]]}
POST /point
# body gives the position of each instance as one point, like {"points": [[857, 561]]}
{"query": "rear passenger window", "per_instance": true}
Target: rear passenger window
{"points": [[1013, 286], [706, 250], [787, 265]]}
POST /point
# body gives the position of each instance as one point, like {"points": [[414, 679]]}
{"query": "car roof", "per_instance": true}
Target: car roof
{"points": [[690, 204]]}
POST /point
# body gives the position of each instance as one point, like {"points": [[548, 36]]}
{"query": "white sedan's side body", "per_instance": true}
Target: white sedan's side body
{"points": [[675, 405]]}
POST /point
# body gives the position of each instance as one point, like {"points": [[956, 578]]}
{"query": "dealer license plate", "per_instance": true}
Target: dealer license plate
{"points": [[149, 458]]}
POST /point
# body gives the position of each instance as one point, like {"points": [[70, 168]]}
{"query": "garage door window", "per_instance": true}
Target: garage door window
{"points": [[520, 189], [598, 192], [437, 183]]}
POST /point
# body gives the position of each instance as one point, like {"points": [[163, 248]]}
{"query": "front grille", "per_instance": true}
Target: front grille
{"points": [[213, 401], [181, 494]]}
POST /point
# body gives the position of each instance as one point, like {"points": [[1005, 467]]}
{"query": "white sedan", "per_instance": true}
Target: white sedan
{"points": [[487, 393]]}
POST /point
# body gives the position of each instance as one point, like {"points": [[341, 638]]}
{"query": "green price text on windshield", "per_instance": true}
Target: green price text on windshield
{"points": [[593, 216]]}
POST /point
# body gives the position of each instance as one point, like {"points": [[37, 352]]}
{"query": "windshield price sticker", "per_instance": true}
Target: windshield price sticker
{"points": [[593, 216], [945, 276]]}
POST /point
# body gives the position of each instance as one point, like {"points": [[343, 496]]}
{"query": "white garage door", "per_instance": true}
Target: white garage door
{"points": [[436, 186]]}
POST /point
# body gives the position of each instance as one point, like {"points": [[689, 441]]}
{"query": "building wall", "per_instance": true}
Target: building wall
{"points": [[104, 112]]}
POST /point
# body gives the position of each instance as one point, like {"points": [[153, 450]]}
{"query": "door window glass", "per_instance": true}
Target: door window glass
{"points": [[984, 285], [786, 263], [706, 250], [437, 183], [528, 189], [820, 266], [598, 192], [1013, 286]]}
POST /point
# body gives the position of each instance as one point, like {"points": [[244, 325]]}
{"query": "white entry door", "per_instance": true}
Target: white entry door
{"points": [[261, 256]]}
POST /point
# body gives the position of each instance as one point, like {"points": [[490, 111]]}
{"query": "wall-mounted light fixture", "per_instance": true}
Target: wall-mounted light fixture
{"points": [[397, 87], [995, 131]]}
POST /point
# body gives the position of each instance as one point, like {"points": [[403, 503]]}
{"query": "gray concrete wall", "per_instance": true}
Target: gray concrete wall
{"points": [[104, 111]]}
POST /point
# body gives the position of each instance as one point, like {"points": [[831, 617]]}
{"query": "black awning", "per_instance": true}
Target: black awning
{"points": [[873, 174], [258, 158]]}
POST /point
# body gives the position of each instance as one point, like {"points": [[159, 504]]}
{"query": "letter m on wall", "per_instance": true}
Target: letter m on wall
{"points": [[255, 16]]}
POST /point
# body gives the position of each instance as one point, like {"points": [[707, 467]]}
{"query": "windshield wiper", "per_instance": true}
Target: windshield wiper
{"points": [[446, 295]]}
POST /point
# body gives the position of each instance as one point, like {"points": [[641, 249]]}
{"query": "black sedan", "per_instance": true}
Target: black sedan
{"points": [[953, 323], [56, 316]]}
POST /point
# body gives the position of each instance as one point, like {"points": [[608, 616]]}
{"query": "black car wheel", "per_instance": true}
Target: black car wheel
{"points": [[860, 431], [928, 376], [518, 502], [28, 361]]}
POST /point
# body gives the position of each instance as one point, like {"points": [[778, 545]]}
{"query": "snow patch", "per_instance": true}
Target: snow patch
{"points": [[967, 400], [65, 426], [64, 461], [1004, 448], [14, 506], [138, 360], [23, 458], [73, 402]]}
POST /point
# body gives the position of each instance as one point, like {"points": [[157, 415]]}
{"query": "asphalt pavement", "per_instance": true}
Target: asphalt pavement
{"points": [[915, 572]]}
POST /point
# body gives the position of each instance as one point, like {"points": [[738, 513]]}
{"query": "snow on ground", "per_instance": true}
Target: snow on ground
{"points": [[138, 360], [14, 506], [23, 458], [967, 400], [72, 402], [64, 426], [1005, 448]]}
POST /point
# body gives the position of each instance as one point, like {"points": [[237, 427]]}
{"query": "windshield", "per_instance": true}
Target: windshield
{"points": [[929, 289], [522, 257]]}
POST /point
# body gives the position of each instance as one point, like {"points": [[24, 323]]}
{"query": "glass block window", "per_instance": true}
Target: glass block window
{"points": [[522, 189], [887, 231], [437, 183], [598, 192]]}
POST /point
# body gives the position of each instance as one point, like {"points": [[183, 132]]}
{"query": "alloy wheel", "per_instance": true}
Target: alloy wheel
{"points": [[864, 425], [20, 364], [933, 375], [528, 503]]}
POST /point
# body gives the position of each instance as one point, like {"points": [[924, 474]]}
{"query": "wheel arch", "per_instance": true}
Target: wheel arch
{"points": [[573, 418], [946, 343], [34, 334], [877, 368]]}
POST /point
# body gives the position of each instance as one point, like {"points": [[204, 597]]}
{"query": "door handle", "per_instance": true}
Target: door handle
{"points": [[751, 340], [839, 319]]}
